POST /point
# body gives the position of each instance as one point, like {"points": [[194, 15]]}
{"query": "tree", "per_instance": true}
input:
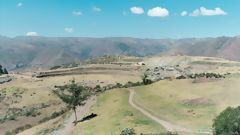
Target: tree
{"points": [[5, 71], [1, 71], [128, 131], [73, 95], [145, 80], [228, 122]]}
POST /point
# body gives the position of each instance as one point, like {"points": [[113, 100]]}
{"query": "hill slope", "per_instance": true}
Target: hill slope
{"points": [[49, 51]]}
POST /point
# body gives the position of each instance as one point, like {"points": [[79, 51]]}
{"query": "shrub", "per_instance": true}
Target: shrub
{"points": [[55, 67], [54, 115], [44, 120], [3, 70], [31, 112], [181, 77], [97, 87], [119, 85], [128, 131], [8, 133], [168, 133], [22, 128], [12, 117], [145, 80], [227, 122]]}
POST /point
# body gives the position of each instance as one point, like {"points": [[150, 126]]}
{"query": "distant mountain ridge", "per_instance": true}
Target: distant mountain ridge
{"points": [[49, 51]]}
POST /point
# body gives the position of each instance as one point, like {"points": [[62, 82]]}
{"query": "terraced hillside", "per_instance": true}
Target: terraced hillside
{"points": [[185, 105]]}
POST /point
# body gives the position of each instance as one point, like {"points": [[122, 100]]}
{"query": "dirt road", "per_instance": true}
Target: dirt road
{"points": [[167, 125]]}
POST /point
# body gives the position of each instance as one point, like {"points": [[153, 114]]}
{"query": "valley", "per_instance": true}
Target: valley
{"points": [[185, 105]]}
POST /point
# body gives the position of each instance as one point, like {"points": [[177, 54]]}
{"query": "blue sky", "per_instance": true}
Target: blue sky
{"points": [[120, 18]]}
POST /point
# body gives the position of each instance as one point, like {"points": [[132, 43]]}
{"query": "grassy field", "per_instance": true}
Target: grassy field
{"points": [[185, 103], [167, 99], [35, 91], [114, 115]]}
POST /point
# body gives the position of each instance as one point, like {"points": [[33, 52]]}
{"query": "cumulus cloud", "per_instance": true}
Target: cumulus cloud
{"points": [[68, 29], [77, 13], [96, 9], [184, 13], [158, 12], [32, 34], [19, 4], [202, 11], [196, 12], [137, 10]]}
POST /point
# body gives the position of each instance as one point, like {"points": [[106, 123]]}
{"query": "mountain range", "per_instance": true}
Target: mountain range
{"points": [[49, 51]]}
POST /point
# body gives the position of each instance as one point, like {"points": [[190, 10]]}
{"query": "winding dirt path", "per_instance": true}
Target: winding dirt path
{"points": [[68, 125], [167, 125]]}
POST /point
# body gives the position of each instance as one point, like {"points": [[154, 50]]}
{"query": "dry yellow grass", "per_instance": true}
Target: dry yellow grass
{"points": [[165, 99], [39, 90]]}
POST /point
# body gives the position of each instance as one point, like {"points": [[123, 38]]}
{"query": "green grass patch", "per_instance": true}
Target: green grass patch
{"points": [[114, 115]]}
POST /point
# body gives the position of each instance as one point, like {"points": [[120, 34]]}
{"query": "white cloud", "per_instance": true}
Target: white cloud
{"points": [[158, 12], [69, 30], [202, 11], [184, 13], [137, 10], [196, 13], [208, 12], [19, 4], [77, 13], [32, 34], [96, 9]]}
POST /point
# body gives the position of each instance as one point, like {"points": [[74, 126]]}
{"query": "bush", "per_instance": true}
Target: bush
{"points": [[206, 75], [31, 112], [55, 67], [128, 131], [44, 120], [19, 129], [54, 115], [119, 85], [97, 87], [168, 133], [8, 133], [145, 80], [12, 117], [181, 77], [3, 70], [228, 122]]}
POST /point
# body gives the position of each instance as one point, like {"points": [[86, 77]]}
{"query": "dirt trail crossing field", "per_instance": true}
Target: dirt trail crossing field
{"points": [[169, 126]]}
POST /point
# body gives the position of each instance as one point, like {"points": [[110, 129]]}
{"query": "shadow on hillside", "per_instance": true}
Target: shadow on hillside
{"points": [[89, 117]]}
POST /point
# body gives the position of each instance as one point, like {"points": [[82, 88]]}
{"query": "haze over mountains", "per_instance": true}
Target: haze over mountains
{"points": [[50, 51]]}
